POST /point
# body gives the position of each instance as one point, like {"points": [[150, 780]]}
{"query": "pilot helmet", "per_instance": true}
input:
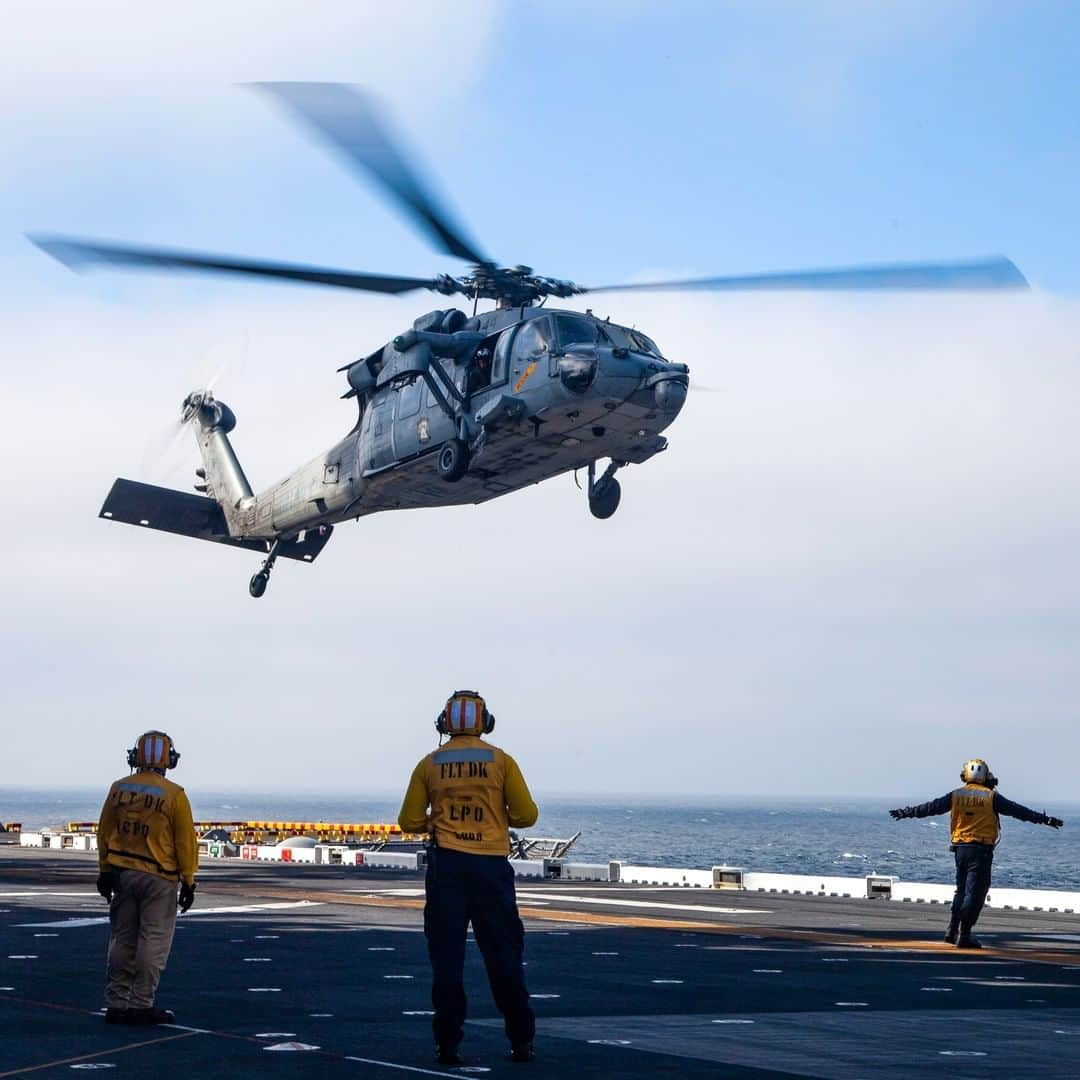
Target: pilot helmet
{"points": [[976, 771], [465, 713], [153, 750]]}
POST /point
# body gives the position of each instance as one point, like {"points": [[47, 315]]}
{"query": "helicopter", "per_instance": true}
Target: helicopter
{"points": [[460, 407]]}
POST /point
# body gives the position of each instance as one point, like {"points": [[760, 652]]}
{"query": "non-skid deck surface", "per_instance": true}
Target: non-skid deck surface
{"points": [[627, 982]]}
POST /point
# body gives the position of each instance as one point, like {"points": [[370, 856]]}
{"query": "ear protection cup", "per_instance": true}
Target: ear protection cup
{"points": [[465, 713], [153, 750]]}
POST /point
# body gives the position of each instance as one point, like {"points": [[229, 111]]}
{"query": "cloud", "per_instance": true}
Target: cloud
{"points": [[863, 543]]}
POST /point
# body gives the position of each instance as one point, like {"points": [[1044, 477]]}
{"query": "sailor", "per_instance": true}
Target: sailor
{"points": [[976, 827], [146, 844], [466, 795]]}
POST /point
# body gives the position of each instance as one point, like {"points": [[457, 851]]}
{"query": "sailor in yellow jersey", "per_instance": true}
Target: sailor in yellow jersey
{"points": [[467, 795], [146, 845], [976, 828]]}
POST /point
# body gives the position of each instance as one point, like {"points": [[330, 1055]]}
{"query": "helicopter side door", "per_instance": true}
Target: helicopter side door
{"points": [[380, 433], [408, 421]]}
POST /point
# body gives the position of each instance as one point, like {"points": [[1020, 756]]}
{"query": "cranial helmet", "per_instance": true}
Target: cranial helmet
{"points": [[153, 750], [976, 771], [465, 713]]}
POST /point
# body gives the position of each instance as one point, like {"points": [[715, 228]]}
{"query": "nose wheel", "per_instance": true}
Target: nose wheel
{"points": [[259, 580], [605, 493]]}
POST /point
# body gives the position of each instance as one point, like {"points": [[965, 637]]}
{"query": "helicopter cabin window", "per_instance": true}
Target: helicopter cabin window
{"points": [[408, 399], [430, 401], [482, 369], [532, 341]]}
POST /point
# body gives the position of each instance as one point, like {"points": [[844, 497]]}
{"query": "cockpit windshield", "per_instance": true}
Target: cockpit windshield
{"points": [[634, 340]]}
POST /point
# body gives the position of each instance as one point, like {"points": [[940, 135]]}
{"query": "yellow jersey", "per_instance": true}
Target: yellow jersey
{"points": [[146, 825], [467, 795], [974, 817]]}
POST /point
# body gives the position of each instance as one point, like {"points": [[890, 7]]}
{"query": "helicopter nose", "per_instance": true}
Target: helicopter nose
{"points": [[670, 395]]}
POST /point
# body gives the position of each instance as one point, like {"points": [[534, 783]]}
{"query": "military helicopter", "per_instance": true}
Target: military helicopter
{"points": [[460, 408]]}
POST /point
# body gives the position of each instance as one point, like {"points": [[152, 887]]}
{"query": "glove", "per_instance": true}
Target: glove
{"points": [[104, 885], [187, 896], [1054, 822], [903, 812]]}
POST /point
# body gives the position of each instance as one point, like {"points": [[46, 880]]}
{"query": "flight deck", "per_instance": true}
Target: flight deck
{"points": [[298, 971]]}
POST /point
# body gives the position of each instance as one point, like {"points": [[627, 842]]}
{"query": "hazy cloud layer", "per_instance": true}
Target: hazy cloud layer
{"points": [[854, 568]]}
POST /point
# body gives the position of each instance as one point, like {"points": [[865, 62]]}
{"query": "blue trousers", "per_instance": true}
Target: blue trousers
{"points": [[973, 863], [463, 888]]}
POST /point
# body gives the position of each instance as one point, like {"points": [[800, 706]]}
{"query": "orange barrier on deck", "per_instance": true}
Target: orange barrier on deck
{"points": [[255, 831]]}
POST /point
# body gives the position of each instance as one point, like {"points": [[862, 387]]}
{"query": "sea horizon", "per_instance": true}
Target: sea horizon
{"points": [[847, 835]]}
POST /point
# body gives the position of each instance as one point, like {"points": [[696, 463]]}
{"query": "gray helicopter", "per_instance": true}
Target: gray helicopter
{"points": [[460, 408]]}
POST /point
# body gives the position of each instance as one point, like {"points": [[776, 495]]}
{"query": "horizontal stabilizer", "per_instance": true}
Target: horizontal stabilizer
{"points": [[195, 515]]}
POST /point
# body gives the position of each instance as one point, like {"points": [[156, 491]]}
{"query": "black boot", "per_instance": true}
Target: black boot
{"points": [[447, 1055], [967, 940], [114, 1015], [151, 1016], [522, 1052], [950, 934]]}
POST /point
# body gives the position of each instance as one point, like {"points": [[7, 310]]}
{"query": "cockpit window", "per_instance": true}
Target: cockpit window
{"points": [[634, 340], [574, 331]]}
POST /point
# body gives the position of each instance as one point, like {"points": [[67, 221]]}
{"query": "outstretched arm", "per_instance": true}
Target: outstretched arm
{"points": [[1024, 813], [926, 809]]}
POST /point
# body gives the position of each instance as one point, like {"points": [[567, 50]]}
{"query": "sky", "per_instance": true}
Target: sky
{"points": [[855, 567]]}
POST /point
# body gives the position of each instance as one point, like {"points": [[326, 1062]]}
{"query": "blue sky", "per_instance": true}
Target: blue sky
{"points": [[605, 141], [861, 549]]}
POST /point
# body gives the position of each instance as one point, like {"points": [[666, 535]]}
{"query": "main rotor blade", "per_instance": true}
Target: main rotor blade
{"points": [[972, 275], [349, 122], [80, 254]]}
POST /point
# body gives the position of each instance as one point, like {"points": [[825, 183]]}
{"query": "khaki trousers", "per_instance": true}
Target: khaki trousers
{"points": [[142, 916]]}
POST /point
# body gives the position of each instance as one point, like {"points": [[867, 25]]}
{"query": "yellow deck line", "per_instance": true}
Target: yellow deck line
{"points": [[842, 939]]}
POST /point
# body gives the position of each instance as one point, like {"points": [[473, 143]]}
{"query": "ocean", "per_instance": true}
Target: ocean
{"points": [[812, 836]]}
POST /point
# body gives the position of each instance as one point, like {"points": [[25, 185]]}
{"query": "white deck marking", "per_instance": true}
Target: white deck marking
{"points": [[239, 909], [603, 900], [291, 1046], [388, 892], [45, 892], [404, 1068]]}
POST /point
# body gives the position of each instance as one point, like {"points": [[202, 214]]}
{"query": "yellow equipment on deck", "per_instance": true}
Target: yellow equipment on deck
{"points": [[269, 832]]}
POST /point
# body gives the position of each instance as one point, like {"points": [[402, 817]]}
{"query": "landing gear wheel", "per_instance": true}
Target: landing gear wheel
{"points": [[258, 583], [604, 498], [453, 460]]}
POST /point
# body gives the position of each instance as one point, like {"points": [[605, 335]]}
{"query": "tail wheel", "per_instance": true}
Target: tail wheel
{"points": [[453, 460], [258, 583]]}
